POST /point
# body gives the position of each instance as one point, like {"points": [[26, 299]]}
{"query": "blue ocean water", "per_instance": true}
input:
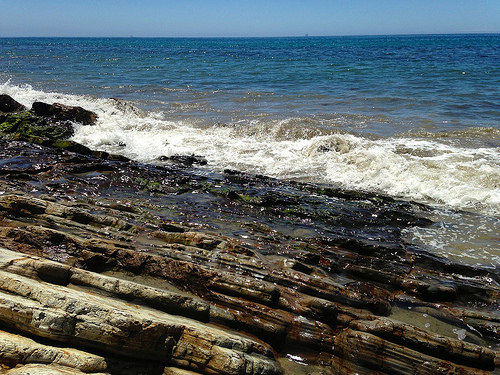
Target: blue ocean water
{"points": [[400, 83], [415, 117]]}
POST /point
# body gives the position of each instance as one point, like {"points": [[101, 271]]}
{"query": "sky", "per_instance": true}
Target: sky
{"points": [[234, 18]]}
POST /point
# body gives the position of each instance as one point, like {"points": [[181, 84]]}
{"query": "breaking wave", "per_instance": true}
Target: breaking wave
{"points": [[422, 167]]}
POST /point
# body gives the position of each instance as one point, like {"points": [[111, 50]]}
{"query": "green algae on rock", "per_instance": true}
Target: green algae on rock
{"points": [[54, 122], [28, 125]]}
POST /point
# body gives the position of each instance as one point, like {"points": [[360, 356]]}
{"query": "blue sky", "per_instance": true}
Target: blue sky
{"points": [[194, 18]]}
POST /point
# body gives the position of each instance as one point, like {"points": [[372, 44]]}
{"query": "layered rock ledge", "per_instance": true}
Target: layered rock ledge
{"points": [[110, 266]]}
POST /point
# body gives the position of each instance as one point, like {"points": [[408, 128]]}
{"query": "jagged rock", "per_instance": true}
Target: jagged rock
{"points": [[64, 112]]}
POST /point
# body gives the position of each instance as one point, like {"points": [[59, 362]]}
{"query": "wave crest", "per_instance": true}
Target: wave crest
{"points": [[421, 167]]}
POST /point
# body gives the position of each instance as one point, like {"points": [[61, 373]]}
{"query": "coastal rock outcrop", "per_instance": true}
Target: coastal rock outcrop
{"points": [[72, 315], [8, 104], [63, 112], [25, 125], [110, 266]]}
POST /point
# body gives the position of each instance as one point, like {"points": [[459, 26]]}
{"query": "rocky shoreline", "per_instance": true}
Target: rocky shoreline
{"points": [[110, 266]]}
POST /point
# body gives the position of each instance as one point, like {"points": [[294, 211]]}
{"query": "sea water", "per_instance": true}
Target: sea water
{"points": [[414, 117]]}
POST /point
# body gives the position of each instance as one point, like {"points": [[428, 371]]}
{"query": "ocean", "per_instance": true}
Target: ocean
{"points": [[413, 117]]}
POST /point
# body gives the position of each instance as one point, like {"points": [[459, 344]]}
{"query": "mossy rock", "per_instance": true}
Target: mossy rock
{"points": [[28, 125], [9, 123], [252, 200], [72, 146]]}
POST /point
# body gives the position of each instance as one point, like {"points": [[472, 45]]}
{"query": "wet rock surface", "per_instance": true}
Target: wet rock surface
{"points": [[8, 104], [110, 266], [59, 111]]}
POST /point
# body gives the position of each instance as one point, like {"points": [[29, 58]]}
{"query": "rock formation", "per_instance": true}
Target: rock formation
{"points": [[110, 266], [8, 104], [63, 112]]}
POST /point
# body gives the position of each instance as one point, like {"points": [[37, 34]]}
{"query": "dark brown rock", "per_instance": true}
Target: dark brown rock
{"points": [[8, 104], [187, 160], [377, 354], [427, 342], [64, 112]]}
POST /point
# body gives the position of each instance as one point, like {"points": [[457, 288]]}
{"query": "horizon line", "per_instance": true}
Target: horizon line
{"points": [[255, 37]]}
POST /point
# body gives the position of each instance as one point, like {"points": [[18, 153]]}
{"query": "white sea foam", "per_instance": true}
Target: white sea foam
{"points": [[421, 169]]}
